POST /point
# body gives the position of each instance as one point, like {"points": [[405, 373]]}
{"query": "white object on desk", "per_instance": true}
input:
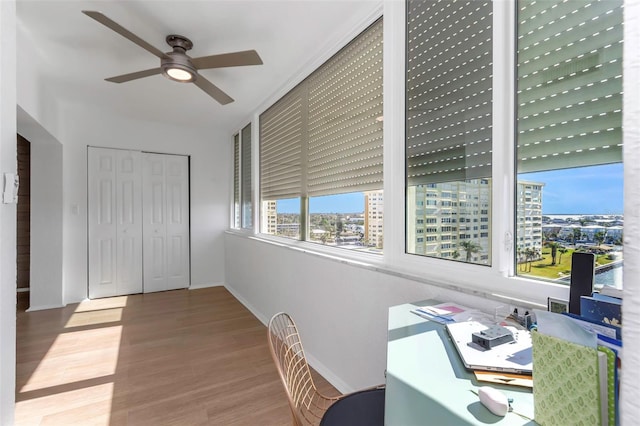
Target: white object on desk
{"points": [[494, 400], [515, 357]]}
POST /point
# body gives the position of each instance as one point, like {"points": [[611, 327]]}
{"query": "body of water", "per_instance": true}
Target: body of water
{"points": [[611, 277]]}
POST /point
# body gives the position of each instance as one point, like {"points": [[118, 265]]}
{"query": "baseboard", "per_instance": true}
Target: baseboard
{"points": [[205, 285], [43, 307], [256, 313], [325, 372], [329, 375]]}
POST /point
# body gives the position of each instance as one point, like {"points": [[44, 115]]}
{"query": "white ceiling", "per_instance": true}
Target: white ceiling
{"points": [[79, 53]]}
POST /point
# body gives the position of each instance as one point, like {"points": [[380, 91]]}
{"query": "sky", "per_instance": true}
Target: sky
{"points": [[343, 203], [584, 190]]}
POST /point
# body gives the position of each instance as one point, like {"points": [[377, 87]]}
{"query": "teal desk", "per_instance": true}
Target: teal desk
{"points": [[427, 383]]}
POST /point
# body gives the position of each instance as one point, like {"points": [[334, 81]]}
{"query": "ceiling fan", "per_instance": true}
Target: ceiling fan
{"points": [[177, 65]]}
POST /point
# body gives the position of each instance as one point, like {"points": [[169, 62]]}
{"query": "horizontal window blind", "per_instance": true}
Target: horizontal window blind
{"points": [[345, 113], [281, 142], [569, 83], [449, 90], [325, 136]]}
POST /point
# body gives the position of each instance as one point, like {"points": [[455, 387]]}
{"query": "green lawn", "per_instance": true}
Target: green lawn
{"points": [[544, 269]]}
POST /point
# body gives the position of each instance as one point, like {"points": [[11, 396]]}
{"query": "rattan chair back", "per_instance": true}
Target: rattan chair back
{"points": [[307, 404]]}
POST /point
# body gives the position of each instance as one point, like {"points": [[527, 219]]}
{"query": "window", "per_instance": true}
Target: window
{"points": [[236, 181], [449, 123], [569, 137], [321, 152], [242, 186]]}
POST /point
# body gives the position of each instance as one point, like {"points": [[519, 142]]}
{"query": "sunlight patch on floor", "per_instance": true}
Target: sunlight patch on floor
{"points": [[101, 316], [60, 408], [104, 303], [63, 363]]}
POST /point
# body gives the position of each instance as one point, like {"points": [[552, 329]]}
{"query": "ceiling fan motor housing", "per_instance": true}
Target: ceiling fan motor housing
{"points": [[178, 59]]}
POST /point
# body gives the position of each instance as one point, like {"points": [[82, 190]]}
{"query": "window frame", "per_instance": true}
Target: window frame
{"points": [[498, 281], [300, 90], [236, 217]]}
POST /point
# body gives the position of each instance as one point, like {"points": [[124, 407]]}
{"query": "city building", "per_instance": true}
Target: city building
{"points": [[373, 215], [269, 218], [529, 216], [447, 214]]}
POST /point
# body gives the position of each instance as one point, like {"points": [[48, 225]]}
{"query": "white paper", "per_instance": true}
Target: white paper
{"points": [[563, 327]]}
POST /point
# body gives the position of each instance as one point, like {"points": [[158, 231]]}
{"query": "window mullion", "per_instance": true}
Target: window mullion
{"points": [[304, 218], [503, 136]]}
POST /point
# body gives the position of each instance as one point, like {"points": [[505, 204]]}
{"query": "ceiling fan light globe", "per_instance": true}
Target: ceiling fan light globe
{"points": [[179, 74], [177, 66]]}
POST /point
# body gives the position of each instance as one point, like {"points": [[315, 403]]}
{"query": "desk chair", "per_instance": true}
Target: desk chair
{"points": [[308, 406]]}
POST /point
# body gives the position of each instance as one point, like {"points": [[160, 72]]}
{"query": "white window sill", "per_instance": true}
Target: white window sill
{"points": [[475, 280]]}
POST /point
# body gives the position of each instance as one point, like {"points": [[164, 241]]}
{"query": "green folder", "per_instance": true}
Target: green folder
{"points": [[610, 383], [566, 385]]}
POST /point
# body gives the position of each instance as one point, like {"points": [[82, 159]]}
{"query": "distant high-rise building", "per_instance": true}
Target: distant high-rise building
{"points": [[441, 217], [529, 216], [269, 217], [446, 217], [373, 214]]}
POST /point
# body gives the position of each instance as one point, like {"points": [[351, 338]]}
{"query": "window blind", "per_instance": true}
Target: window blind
{"points": [[247, 211], [325, 136], [236, 180], [345, 113], [449, 90], [569, 83], [281, 141]]}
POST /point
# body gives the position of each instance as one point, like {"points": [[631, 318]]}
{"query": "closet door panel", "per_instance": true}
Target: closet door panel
{"points": [[102, 227], [129, 227], [114, 222], [166, 222], [154, 228], [177, 190]]}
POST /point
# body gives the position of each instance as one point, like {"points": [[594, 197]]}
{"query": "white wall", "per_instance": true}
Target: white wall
{"points": [[7, 212], [341, 309], [45, 278], [79, 127], [630, 387], [209, 171]]}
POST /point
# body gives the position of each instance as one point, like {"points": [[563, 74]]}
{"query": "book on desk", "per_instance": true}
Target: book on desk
{"points": [[575, 374]]}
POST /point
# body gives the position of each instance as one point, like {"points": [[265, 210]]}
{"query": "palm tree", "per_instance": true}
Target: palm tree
{"points": [[599, 237], [562, 251], [554, 252], [577, 233], [470, 248], [531, 254]]}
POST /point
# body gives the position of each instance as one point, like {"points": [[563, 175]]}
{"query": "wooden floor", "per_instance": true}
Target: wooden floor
{"points": [[181, 357]]}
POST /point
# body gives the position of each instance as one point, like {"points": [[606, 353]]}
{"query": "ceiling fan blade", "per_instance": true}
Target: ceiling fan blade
{"points": [[134, 75], [107, 22], [235, 59], [212, 90]]}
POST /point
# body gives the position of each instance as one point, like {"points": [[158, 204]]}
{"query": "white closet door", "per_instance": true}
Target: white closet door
{"points": [[177, 184], [129, 226], [166, 222], [114, 222]]}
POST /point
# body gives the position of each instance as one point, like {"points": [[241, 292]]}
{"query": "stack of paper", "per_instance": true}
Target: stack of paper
{"points": [[446, 313]]}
